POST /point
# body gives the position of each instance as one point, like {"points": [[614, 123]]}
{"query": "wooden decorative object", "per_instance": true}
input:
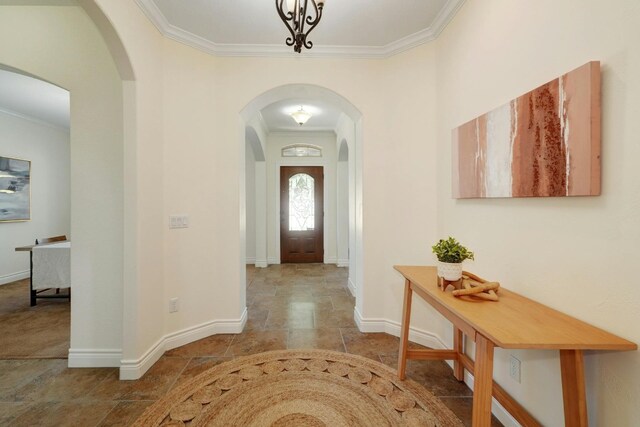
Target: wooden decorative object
{"points": [[472, 287]]}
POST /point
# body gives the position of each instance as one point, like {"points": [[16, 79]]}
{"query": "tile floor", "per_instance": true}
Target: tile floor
{"points": [[290, 306]]}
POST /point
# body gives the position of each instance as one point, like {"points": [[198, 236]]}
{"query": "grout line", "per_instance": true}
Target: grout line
{"points": [[107, 414], [178, 376], [344, 344], [233, 339]]}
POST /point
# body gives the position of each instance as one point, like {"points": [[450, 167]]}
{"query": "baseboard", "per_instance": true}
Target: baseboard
{"points": [[352, 287], [273, 260], [250, 260], [342, 263], [430, 340], [393, 328], [9, 278], [261, 263], [135, 368], [94, 358], [330, 260]]}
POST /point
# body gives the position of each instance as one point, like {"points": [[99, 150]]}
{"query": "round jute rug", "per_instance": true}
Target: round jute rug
{"points": [[299, 388]]}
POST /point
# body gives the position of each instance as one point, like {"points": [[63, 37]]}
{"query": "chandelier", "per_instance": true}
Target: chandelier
{"points": [[295, 18]]}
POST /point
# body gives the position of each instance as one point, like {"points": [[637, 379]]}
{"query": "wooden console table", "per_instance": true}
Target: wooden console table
{"points": [[513, 322]]}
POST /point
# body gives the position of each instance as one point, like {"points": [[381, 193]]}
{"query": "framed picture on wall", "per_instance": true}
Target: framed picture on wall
{"points": [[15, 189]]}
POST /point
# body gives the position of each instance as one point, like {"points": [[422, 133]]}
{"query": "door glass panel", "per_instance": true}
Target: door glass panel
{"points": [[301, 203]]}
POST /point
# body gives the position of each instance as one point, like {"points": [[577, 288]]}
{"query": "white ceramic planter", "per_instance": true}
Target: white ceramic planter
{"points": [[450, 271]]}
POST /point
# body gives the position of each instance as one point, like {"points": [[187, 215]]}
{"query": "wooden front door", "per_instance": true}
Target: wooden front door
{"points": [[301, 214]]}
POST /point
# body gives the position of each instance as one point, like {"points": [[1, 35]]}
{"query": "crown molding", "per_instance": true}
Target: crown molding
{"points": [[34, 120], [170, 31]]}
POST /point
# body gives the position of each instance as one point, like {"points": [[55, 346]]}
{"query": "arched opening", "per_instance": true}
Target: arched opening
{"points": [[348, 129], [102, 256], [343, 204], [255, 194]]}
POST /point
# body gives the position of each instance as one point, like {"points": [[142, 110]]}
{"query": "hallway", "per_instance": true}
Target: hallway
{"points": [[289, 305]]}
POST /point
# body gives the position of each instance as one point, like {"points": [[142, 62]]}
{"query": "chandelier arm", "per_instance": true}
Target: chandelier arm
{"points": [[286, 18], [313, 23], [318, 11], [303, 13]]}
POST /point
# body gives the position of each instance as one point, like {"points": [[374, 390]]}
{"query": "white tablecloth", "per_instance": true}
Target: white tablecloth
{"points": [[52, 266]]}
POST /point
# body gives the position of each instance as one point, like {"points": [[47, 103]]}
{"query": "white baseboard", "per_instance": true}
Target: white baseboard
{"points": [[330, 260], [8, 278], [261, 263], [250, 260], [342, 263], [94, 358], [432, 340], [352, 287], [273, 260], [393, 328], [135, 368]]}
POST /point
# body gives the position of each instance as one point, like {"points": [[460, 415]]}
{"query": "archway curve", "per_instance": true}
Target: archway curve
{"points": [[352, 116]]}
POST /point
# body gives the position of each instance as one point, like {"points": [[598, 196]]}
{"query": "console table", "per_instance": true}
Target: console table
{"points": [[513, 322]]}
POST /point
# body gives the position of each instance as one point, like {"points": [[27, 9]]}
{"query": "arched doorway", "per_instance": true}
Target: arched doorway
{"points": [[101, 89], [349, 130]]}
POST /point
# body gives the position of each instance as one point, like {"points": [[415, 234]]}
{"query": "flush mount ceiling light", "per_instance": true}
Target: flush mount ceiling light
{"points": [[301, 116], [295, 17]]}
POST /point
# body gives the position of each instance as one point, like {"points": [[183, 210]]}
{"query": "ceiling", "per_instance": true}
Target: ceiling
{"points": [[350, 28], [277, 115], [32, 98]]}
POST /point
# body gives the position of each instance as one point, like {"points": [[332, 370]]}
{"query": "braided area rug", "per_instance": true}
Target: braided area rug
{"points": [[296, 388]]}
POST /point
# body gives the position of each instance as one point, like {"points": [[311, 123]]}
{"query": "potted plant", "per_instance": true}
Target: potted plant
{"points": [[450, 255]]}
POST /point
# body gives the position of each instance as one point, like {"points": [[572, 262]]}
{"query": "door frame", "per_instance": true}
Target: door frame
{"points": [[316, 173], [299, 162]]}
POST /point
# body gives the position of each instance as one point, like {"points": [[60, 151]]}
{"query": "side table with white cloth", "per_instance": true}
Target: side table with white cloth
{"points": [[50, 269]]}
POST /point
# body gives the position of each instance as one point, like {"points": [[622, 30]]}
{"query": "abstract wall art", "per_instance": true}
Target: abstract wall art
{"points": [[545, 143], [15, 192]]}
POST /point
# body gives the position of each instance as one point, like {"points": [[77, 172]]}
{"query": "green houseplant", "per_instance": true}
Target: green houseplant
{"points": [[450, 255]]}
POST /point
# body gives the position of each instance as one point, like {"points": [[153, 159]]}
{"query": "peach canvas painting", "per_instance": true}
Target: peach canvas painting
{"points": [[545, 143]]}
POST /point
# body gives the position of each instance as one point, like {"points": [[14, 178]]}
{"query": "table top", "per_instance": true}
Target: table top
{"points": [[30, 247], [516, 321]]}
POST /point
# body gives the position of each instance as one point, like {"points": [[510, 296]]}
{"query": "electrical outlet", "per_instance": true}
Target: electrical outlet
{"points": [[173, 305], [514, 368]]}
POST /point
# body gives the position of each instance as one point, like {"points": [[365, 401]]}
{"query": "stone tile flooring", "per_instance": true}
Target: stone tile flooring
{"points": [[290, 306], [46, 325]]}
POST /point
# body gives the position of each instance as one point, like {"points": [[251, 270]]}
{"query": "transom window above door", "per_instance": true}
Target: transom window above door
{"points": [[302, 150]]}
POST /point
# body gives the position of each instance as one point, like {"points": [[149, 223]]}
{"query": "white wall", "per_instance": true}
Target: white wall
{"points": [[66, 49], [342, 214], [275, 142], [250, 170], [47, 147], [559, 251]]}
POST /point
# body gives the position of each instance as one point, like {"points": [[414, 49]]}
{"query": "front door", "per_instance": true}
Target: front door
{"points": [[301, 214]]}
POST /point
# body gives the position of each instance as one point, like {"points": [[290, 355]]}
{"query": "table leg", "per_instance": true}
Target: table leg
{"points": [[458, 369], [404, 330], [573, 388], [483, 382], [32, 293]]}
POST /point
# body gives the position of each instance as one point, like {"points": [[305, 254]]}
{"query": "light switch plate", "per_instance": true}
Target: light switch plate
{"points": [[178, 221]]}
